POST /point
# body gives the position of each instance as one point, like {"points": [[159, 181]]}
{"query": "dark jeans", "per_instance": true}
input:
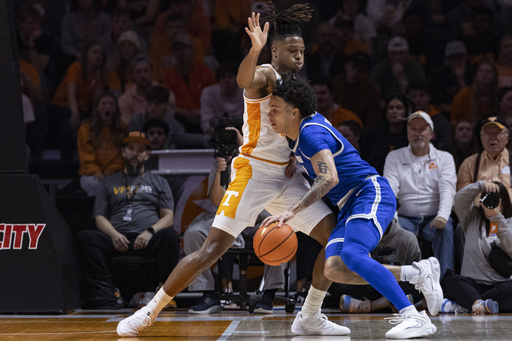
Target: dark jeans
{"points": [[96, 250], [465, 291]]}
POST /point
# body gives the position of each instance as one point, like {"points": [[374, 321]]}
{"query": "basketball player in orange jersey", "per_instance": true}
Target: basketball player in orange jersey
{"points": [[263, 177]]}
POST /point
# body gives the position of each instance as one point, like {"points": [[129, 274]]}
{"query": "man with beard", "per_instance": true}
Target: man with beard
{"points": [[423, 179], [133, 212]]}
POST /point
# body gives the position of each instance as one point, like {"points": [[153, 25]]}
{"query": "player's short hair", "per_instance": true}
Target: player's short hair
{"points": [[295, 90]]}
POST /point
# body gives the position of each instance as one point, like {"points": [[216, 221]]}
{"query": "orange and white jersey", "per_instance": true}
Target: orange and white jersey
{"points": [[260, 141]]}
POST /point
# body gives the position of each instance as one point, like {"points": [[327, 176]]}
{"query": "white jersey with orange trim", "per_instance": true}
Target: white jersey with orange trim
{"points": [[260, 141]]}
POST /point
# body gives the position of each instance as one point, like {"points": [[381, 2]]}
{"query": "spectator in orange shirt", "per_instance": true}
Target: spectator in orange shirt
{"points": [[196, 22], [326, 106], [187, 79], [474, 101], [99, 143], [120, 79], [161, 49], [72, 101]]}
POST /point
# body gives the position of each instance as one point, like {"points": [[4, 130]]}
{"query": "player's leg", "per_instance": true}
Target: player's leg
{"points": [[317, 221]]}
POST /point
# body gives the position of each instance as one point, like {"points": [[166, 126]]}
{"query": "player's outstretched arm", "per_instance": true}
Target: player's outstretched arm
{"points": [[247, 77], [326, 179]]}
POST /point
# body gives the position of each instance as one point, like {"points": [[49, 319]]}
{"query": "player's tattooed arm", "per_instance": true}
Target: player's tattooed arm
{"points": [[326, 179]]}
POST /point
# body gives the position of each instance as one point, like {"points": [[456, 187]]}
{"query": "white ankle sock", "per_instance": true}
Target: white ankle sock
{"points": [[409, 310], [408, 272], [158, 302], [313, 302]]}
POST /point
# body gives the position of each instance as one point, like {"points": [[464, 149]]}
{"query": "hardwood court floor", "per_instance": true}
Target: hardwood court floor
{"points": [[236, 325]]}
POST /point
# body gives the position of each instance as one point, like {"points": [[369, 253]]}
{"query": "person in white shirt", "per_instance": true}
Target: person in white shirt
{"points": [[423, 179]]}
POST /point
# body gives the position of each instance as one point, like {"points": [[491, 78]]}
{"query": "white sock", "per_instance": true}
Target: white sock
{"points": [[408, 272], [158, 302], [313, 302], [409, 310]]}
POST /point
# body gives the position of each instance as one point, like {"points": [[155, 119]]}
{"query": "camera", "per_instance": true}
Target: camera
{"points": [[224, 141], [490, 200]]}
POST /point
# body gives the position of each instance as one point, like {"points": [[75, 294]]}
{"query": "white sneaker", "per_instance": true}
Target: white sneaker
{"points": [[428, 283], [131, 326], [409, 326], [317, 324]]}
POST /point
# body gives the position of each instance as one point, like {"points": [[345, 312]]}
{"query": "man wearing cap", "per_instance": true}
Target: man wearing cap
{"points": [[423, 179], [133, 212], [491, 164], [395, 73], [447, 80]]}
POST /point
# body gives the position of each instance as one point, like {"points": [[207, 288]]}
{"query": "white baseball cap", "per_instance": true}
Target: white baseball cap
{"points": [[423, 115]]}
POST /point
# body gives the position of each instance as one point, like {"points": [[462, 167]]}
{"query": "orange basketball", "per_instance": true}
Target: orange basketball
{"points": [[274, 244]]}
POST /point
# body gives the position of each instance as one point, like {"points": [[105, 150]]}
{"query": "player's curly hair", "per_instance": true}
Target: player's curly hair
{"points": [[295, 90], [286, 23]]}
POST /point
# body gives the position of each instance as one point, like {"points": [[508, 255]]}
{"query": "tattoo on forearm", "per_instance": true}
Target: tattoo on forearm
{"points": [[322, 167], [320, 187]]}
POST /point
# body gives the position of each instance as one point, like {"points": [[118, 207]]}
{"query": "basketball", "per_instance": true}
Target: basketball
{"points": [[274, 244]]}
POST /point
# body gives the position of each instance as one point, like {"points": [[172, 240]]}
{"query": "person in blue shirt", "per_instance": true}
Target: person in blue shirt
{"points": [[366, 201]]}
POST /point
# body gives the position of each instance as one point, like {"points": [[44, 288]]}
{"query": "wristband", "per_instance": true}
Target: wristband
{"points": [[151, 230]]}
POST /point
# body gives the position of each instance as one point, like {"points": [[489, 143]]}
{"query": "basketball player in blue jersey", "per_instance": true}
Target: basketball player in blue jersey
{"points": [[366, 201]]}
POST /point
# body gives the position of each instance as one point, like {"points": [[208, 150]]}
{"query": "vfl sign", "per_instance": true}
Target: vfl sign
{"points": [[12, 235]]}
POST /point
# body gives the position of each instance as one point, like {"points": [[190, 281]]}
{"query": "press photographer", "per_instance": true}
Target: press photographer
{"points": [[226, 139]]}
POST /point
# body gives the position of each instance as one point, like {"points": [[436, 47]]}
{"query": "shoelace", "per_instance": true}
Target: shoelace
{"points": [[146, 322], [397, 318]]}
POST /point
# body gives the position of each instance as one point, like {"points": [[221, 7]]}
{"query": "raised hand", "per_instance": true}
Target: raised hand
{"points": [[258, 37]]}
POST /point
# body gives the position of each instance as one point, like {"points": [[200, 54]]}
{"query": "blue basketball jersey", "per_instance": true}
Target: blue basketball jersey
{"points": [[316, 134]]}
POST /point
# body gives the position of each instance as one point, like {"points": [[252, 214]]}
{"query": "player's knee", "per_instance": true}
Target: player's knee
{"points": [[333, 269]]}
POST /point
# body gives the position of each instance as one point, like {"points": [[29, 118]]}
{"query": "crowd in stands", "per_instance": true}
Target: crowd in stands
{"points": [[422, 89]]}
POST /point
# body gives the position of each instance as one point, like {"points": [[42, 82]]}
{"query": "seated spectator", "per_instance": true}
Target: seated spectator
{"points": [[85, 22], [144, 16], [464, 142], [157, 98], [423, 179], [73, 99], [326, 61], [120, 78], [346, 43], [355, 93], [447, 80], [395, 73], [364, 30], [474, 102], [504, 61], [397, 247], [161, 48], [352, 131], [35, 46], [480, 287], [196, 234], [220, 98], [186, 80], [502, 103], [420, 96], [390, 135], [491, 164], [120, 22], [157, 132], [99, 144], [134, 101], [196, 21], [483, 42], [326, 106], [133, 212]]}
